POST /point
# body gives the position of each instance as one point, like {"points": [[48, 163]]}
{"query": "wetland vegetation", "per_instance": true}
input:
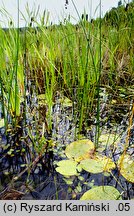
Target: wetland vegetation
{"points": [[66, 108]]}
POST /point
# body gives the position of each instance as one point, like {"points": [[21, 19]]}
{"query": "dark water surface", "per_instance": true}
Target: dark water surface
{"points": [[42, 181]]}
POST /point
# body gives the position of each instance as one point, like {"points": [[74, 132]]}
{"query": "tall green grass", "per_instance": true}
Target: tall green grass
{"points": [[11, 72], [73, 59]]}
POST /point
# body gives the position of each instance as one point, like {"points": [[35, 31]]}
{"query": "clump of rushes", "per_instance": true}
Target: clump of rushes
{"points": [[74, 59], [11, 72]]}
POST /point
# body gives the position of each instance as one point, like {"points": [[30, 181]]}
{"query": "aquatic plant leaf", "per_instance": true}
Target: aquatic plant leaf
{"points": [[78, 189], [81, 178], [101, 193], [2, 123], [98, 165], [126, 167], [108, 140], [67, 167], [68, 181], [92, 166], [91, 184], [80, 149], [10, 151]]}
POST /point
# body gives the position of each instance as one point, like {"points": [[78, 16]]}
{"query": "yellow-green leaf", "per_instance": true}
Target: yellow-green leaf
{"points": [[108, 140], [126, 166], [101, 193], [67, 167], [80, 149], [98, 165], [68, 181]]}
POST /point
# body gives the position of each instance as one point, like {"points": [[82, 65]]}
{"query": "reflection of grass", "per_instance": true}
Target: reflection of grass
{"points": [[73, 60]]}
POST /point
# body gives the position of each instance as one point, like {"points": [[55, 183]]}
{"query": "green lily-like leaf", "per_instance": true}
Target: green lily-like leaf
{"points": [[101, 193], [98, 165], [80, 149], [108, 140], [67, 167], [126, 167]]}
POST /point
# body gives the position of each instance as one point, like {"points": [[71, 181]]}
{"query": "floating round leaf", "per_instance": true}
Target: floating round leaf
{"points": [[92, 166], [126, 166], [80, 149], [67, 167], [101, 193], [108, 140], [98, 165]]}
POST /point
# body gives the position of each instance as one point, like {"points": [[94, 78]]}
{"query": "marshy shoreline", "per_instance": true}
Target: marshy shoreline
{"points": [[66, 97]]}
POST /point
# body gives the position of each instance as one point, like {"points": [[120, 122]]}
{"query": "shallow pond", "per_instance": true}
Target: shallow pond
{"points": [[31, 151]]}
